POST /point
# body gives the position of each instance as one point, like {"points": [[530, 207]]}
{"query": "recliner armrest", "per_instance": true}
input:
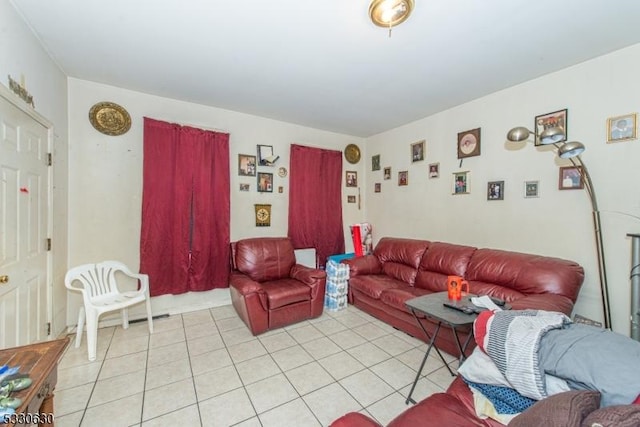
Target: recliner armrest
{"points": [[308, 276]]}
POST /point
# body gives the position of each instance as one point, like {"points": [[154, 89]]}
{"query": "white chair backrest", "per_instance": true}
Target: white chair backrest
{"points": [[96, 279]]}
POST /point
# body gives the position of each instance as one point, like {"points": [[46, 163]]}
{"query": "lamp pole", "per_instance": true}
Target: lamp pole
{"points": [[597, 228]]}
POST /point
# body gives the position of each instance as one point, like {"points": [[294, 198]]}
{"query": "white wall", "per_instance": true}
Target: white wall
{"points": [[558, 223], [21, 55], [106, 178]]}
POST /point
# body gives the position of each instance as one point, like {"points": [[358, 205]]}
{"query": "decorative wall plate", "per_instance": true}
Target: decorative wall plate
{"points": [[352, 153], [110, 118], [282, 172]]}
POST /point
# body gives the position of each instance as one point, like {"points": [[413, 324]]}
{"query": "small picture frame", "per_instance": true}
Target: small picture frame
{"points": [[469, 143], [570, 178], [552, 120], [351, 178], [460, 183], [495, 190], [265, 182], [622, 128], [387, 172], [246, 165], [531, 189], [434, 170], [377, 187], [266, 156], [403, 178], [417, 151], [375, 162], [244, 187], [351, 199], [280, 189]]}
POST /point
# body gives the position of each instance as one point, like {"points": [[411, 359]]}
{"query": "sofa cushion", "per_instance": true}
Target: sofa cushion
{"points": [[374, 285], [614, 416], [439, 261], [400, 258], [566, 409], [286, 291], [397, 297], [265, 258]]}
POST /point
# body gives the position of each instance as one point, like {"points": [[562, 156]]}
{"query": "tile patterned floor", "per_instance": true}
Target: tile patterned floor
{"points": [[205, 368]]}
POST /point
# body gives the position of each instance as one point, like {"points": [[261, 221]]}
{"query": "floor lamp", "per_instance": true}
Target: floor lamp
{"points": [[572, 150]]}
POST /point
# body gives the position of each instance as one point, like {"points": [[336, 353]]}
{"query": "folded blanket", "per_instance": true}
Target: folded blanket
{"points": [[504, 399], [512, 339]]}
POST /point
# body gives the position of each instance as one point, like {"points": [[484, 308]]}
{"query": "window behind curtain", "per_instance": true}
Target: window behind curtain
{"points": [[315, 200]]}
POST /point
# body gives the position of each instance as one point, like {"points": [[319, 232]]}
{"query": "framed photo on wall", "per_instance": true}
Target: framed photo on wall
{"points": [[246, 165], [387, 172], [570, 178], [531, 189], [351, 178], [434, 170], [460, 183], [375, 162], [351, 199], [266, 156], [622, 128], [265, 182], [551, 120], [469, 143], [244, 187], [495, 190], [377, 187], [417, 151], [403, 178]]}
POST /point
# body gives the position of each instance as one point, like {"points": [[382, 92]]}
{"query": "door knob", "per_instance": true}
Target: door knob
{"points": [[4, 279]]}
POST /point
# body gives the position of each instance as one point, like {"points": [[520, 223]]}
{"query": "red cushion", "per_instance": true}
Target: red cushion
{"points": [[374, 285], [286, 291]]}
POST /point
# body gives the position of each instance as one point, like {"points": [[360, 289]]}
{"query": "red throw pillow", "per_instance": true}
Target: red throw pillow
{"points": [[481, 327]]}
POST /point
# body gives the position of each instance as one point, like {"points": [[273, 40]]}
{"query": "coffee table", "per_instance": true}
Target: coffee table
{"points": [[431, 306]]}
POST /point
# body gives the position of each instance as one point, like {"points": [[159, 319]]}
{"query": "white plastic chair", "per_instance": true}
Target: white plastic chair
{"points": [[101, 294]]}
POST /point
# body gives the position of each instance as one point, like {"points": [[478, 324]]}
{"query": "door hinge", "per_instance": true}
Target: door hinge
{"points": [[49, 159], [48, 244], [48, 328]]}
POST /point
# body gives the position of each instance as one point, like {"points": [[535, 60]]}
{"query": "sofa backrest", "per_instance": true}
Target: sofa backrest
{"points": [[264, 258], [400, 258], [439, 261], [512, 274]]}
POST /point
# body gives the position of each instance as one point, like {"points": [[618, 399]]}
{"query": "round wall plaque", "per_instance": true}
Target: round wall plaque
{"points": [[110, 118], [352, 153]]}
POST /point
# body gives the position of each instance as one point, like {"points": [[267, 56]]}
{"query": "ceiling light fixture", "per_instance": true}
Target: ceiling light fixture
{"points": [[389, 13]]}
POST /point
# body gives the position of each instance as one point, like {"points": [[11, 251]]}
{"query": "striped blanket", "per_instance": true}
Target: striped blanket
{"points": [[512, 339]]}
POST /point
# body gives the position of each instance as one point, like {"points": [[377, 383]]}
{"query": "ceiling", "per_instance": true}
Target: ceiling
{"points": [[323, 64]]}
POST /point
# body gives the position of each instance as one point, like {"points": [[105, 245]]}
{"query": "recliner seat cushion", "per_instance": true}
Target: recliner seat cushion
{"points": [[286, 291]]}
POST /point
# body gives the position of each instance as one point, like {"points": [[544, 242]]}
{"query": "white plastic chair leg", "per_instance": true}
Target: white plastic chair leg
{"points": [[92, 335], [125, 318], [149, 316], [81, 317]]}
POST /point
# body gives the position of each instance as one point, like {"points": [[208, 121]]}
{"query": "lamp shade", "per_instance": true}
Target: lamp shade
{"points": [[571, 149], [389, 13], [551, 135], [518, 134]]}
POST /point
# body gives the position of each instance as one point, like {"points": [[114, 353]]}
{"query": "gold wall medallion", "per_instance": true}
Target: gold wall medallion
{"points": [[110, 118], [352, 153], [263, 215]]}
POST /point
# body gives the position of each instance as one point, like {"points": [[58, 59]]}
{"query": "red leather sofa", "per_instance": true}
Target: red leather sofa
{"points": [[268, 289], [400, 269]]}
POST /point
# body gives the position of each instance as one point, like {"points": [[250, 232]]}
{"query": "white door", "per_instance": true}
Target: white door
{"points": [[24, 200]]}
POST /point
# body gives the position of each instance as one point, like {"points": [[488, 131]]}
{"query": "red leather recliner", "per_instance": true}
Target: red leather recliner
{"points": [[268, 289]]}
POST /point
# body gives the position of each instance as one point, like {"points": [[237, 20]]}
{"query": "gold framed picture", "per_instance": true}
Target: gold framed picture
{"points": [[460, 183], [403, 178], [417, 151], [622, 128], [469, 143], [351, 177]]}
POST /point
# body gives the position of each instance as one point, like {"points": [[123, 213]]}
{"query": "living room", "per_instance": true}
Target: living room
{"points": [[97, 178]]}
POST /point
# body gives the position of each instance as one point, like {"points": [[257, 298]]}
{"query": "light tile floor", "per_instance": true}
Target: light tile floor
{"points": [[205, 368]]}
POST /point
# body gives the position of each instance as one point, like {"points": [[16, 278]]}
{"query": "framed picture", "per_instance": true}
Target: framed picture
{"points": [[622, 128], [469, 143], [403, 178], [434, 170], [387, 172], [351, 178], [265, 155], [281, 189], [246, 165], [265, 182], [351, 199], [552, 120], [531, 189], [375, 162], [570, 178], [244, 187], [417, 151], [460, 183], [495, 190], [377, 187]]}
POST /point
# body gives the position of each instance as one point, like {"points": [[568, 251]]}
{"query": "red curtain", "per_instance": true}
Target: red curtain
{"points": [[184, 241], [315, 200]]}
